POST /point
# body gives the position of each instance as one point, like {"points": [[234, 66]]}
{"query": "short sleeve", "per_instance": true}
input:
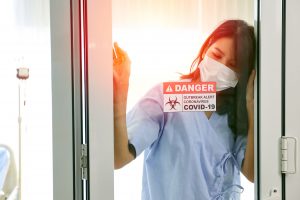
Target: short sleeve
{"points": [[145, 120], [240, 148]]}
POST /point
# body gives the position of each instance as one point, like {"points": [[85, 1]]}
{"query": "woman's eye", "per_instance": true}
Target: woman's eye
{"points": [[217, 56]]}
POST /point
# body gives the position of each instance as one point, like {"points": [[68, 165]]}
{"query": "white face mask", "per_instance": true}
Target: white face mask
{"points": [[214, 71]]}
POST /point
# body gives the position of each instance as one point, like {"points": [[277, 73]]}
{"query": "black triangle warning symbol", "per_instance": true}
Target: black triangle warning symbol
{"points": [[169, 89]]}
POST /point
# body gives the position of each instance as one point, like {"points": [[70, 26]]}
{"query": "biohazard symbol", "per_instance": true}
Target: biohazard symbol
{"points": [[172, 103]]}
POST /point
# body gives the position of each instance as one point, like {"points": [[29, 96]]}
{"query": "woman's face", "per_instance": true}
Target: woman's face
{"points": [[223, 51]]}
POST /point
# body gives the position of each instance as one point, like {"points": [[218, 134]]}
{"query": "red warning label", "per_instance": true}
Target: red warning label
{"points": [[189, 88]]}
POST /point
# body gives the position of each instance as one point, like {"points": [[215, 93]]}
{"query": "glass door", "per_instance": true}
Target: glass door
{"points": [[162, 39]]}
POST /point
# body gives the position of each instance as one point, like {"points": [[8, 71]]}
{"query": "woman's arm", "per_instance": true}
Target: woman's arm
{"points": [[248, 163], [121, 70]]}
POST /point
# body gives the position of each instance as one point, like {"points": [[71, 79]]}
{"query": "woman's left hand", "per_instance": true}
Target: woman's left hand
{"points": [[250, 92], [248, 163]]}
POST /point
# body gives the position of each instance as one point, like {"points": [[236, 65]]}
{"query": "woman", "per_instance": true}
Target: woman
{"points": [[193, 155]]}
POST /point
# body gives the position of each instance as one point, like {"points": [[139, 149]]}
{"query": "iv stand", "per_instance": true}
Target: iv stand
{"points": [[22, 74]]}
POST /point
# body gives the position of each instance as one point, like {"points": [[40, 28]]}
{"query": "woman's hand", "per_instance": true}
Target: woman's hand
{"points": [[121, 69], [250, 92], [248, 163], [121, 64], [121, 73]]}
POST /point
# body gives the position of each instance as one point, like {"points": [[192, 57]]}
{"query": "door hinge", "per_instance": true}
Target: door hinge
{"points": [[84, 162], [288, 155]]}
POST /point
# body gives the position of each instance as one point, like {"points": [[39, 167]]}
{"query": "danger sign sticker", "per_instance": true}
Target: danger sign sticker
{"points": [[187, 96]]}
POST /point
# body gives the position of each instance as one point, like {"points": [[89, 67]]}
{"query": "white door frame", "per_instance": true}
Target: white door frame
{"points": [[66, 42], [270, 99], [62, 118], [292, 96]]}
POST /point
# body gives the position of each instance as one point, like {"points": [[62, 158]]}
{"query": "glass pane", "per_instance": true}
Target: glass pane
{"points": [[25, 43], [162, 39]]}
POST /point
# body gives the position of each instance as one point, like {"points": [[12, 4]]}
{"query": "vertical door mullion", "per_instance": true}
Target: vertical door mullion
{"points": [[84, 92], [77, 96], [292, 97], [270, 100], [62, 99]]}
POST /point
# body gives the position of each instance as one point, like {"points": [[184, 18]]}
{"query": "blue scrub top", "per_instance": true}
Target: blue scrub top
{"points": [[186, 155]]}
